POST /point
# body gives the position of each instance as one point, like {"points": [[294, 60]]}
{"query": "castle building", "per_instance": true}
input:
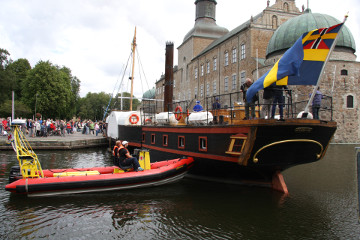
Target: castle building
{"points": [[213, 61]]}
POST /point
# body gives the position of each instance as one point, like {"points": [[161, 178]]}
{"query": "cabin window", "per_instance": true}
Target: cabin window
{"points": [[153, 138], [344, 72], [143, 137], [350, 101], [165, 140], [237, 144], [181, 142], [203, 144]]}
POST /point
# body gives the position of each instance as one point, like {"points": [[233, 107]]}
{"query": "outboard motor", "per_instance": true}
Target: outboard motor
{"points": [[15, 174]]}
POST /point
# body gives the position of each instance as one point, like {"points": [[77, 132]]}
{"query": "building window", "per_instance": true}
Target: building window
{"points": [[214, 87], [243, 54], [286, 7], [153, 138], [181, 142], [350, 101], [196, 93], [174, 83], [196, 73], [202, 70], [189, 95], [203, 144], [344, 72], [274, 22], [226, 58], [234, 55], [208, 67], [165, 140], [201, 90], [226, 84], [207, 89], [242, 78], [233, 81], [215, 66]]}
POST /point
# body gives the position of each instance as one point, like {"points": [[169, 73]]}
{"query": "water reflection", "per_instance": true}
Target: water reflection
{"points": [[321, 205]]}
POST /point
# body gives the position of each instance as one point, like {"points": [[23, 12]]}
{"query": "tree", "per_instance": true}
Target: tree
{"points": [[50, 88], [19, 70], [6, 77], [93, 105], [21, 110], [126, 102]]}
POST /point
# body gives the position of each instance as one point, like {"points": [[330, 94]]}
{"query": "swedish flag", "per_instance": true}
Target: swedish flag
{"points": [[302, 63]]}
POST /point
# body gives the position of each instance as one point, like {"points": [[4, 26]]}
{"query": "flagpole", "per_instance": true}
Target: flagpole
{"points": [[306, 110]]}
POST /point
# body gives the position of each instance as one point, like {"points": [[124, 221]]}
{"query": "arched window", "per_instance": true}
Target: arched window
{"points": [[344, 72], [350, 101], [286, 7], [274, 22]]}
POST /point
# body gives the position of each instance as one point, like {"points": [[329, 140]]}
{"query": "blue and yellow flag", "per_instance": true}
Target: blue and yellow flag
{"points": [[302, 63]]}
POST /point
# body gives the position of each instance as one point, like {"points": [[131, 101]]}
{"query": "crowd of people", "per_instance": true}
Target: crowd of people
{"points": [[50, 127]]}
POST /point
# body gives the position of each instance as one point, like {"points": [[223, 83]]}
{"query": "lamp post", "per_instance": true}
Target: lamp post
{"points": [[35, 105]]}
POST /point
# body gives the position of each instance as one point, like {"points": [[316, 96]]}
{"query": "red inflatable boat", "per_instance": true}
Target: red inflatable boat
{"points": [[97, 179]]}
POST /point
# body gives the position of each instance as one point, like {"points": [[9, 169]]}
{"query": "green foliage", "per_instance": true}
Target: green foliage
{"points": [[50, 87], [18, 70], [21, 110], [93, 105], [6, 76], [126, 102]]}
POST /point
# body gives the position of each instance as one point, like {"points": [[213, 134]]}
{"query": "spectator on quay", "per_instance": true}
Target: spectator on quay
{"points": [[1, 127], [68, 127], [92, 127], [43, 129], [37, 128], [97, 128]]}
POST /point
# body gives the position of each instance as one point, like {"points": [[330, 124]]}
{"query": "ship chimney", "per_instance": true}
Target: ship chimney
{"points": [[169, 77]]}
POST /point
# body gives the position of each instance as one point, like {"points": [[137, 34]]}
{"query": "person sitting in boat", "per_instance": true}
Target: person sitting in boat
{"points": [[198, 107], [116, 152], [125, 159]]}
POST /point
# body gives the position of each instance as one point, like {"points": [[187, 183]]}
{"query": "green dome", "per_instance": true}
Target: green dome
{"points": [[149, 94], [287, 34]]}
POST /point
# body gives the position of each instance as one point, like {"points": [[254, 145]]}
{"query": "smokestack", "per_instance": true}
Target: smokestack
{"points": [[169, 77]]}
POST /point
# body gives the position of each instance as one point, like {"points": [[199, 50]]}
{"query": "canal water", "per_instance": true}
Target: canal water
{"points": [[322, 204]]}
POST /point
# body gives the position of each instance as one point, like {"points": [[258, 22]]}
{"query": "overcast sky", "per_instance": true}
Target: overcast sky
{"points": [[93, 37]]}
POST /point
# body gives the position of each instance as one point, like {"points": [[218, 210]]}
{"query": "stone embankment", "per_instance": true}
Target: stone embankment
{"points": [[68, 142]]}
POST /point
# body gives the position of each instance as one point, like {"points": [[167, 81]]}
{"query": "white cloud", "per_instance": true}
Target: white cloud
{"points": [[93, 38]]}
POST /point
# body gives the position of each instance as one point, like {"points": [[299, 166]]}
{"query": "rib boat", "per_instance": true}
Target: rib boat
{"points": [[29, 179]]}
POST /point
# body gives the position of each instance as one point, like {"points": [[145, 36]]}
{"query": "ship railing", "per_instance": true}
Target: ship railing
{"points": [[232, 107]]}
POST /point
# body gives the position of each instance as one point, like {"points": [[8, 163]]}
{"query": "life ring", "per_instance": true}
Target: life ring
{"points": [[178, 113], [134, 118], [148, 120]]}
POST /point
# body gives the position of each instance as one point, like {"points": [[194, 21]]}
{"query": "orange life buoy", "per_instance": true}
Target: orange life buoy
{"points": [[148, 120], [134, 119], [178, 113]]}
